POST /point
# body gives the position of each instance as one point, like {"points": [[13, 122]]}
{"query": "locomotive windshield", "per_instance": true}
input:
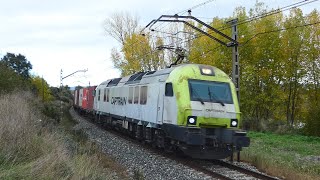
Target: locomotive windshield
{"points": [[210, 91]]}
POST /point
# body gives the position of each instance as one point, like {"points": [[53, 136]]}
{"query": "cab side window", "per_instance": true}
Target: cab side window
{"points": [[169, 90]]}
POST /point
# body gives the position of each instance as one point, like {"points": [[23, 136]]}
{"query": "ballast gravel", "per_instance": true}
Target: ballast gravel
{"points": [[133, 157]]}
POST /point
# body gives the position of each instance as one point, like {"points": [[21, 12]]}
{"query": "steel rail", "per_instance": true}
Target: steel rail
{"points": [[244, 170]]}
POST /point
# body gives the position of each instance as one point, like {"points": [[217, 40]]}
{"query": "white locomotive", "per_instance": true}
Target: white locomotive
{"points": [[189, 107]]}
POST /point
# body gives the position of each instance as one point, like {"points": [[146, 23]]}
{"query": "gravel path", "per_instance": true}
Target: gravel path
{"points": [[135, 158]]}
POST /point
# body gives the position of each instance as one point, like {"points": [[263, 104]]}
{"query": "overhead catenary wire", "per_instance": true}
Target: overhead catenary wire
{"points": [[243, 44], [196, 6], [277, 30], [187, 10], [184, 11], [263, 15], [260, 16], [272, 12], [266, 32]]}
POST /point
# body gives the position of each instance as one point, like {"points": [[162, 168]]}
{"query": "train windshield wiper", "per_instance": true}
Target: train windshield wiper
{"points": [[198, 96], [214, 97]]}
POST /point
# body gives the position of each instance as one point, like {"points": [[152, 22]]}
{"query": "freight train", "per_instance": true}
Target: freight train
{"points": [[189, 108]]}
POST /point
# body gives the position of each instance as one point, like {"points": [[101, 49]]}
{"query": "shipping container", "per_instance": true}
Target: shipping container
{"points": [[87, 98]]}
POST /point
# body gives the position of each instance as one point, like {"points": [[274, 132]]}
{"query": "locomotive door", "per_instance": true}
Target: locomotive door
{"points": [[160, 103]]}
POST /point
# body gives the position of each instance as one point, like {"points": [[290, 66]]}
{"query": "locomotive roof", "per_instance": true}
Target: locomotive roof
{"points": [[135, 78], [142, 77]]}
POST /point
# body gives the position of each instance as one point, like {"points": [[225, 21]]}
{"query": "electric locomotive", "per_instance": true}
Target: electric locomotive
{"points": [[191, 108]]}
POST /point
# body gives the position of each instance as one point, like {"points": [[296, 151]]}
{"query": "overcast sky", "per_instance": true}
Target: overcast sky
{"points": [[69, 34]]}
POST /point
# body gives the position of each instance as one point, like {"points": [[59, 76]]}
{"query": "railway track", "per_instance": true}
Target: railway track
{"points": [[253, 173], [231, 171], [217, 169], [223, 170]]}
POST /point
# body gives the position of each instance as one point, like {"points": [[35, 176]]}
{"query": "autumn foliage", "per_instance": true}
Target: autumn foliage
{"points": [[280, 68], [279, 65]]}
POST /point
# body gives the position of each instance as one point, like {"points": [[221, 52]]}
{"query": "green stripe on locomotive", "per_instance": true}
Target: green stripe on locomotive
{"points": [[179, 78]]}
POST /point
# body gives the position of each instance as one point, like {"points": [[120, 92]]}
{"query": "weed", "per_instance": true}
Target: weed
{"points": [[289, 156]]}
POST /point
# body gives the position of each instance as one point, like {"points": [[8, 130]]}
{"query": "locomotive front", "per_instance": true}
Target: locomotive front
{"points": [[207, 112]]}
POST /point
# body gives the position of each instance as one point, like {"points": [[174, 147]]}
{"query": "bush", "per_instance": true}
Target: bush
{"points": [[276, 126], [52, 109], [313, 121]]}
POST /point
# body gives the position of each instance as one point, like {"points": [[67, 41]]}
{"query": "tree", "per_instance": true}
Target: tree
{"points": [[137, 52], [18, 63], [279, 58], [121, 25], [63, 94], [42, 88], [312, 79], [138, 55], [294, 43], [9, 80], [260, 67]]}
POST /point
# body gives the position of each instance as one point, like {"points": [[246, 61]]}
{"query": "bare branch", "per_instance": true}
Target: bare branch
{"points": [[121, 25]]}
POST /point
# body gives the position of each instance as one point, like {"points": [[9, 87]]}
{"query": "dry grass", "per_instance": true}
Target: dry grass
{"points": [[30, 151], [18, 125]]}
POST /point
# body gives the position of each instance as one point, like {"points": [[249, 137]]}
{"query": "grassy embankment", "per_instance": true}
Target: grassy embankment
{"points": [[32, 148], [286, 156]]}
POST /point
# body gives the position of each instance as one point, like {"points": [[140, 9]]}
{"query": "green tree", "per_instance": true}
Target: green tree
{"points": [[294, 51], [312, 79], [18, 63], [63, 94], [259, 58], [9, 80], [260, 75]]}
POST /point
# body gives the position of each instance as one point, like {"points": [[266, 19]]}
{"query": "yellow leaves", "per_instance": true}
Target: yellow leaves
{"points": [[265, 73], [139, 54], [42, 87], [278, 63]]}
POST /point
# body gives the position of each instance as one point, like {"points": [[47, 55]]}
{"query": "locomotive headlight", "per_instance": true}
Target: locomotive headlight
{"points": [[234, 122], [192, 120], [206, 70]]}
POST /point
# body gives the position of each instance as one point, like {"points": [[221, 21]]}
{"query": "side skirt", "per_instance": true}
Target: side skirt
{"points": [[141, 130]]}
